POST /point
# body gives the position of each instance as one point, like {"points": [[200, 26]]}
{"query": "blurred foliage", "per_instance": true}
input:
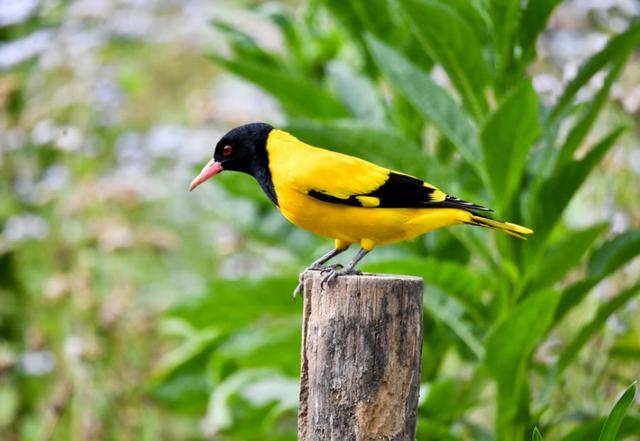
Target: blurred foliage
{"points": [[117, 321]]}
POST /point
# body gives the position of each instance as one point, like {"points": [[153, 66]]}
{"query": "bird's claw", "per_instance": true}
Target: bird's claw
{"points": [[317, 267], [328, 268], [331, 273]]}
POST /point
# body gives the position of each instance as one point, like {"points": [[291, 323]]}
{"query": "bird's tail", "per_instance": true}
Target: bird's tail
{"points": [[514, 230]]}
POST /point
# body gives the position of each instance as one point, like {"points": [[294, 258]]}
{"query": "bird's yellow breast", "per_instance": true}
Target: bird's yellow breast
{"points": [[294, 174]]}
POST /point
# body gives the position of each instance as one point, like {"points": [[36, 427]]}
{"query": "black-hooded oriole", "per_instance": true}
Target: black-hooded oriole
{"points": [[341, 197]]}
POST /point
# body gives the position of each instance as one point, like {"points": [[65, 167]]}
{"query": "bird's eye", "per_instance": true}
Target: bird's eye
{"points": [[227, 151]]}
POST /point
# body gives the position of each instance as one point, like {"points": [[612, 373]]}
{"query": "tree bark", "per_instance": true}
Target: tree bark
{"points": [[361, 349]]}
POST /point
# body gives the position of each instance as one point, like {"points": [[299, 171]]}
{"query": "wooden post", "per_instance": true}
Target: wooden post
{"points": [[361, 347]]}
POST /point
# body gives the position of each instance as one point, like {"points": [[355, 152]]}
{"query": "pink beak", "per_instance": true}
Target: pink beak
{"points": [[209, 171]]}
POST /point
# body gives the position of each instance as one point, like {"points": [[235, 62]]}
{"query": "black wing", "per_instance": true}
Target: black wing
{"points": [[400, 191]]}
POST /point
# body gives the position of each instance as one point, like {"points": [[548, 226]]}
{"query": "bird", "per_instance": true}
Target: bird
{"points": [[341, 197]]}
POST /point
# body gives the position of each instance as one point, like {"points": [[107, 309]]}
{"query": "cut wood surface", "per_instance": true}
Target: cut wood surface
{"points": [[361, 348]]}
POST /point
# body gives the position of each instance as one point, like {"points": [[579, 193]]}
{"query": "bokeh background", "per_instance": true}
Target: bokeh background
{"points": [[131, 309]]}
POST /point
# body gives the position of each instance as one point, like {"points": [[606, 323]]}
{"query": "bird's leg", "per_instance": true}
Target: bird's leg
{"points": [[317, 264], [332, 273]]}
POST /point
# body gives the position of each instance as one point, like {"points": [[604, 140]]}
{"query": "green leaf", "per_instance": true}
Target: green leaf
{"points": [[449, 312], [612, 424], [446, 399], [194, 346], [231, 304], [357, 93], [507, 137], [592, 428], [451, 277], [244, 46], [513, 339], [614, 253], [429, 98], [618, 48], [449, 39], [508, 348], [603, 261], [298, 95], [605, 311], [220, 412], [554, 194], [532, 22], [272, 343], [505, 16], [372, 142], [564, 256], [537, 436], [589, 114]]}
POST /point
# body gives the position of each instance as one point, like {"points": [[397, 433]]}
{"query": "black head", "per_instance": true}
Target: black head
{"points": [[243, 148]]}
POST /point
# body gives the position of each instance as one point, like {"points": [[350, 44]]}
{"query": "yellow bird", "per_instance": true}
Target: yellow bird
{"points": [[341, 197]]}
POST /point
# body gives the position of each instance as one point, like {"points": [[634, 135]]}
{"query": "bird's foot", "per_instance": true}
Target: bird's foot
{"points": [[316, 267], [331, 273]]}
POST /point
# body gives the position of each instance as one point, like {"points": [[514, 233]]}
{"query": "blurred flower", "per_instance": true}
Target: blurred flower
{"points": [[56, 177], [17, 51], [69, 138], [114, 306], [236, 102], [548, 86], [165, 141], [157, 238], [11, 139], [43, 132], [16, 11], [7, 359], [25, 226], [616, 325], [37, 363], [113, 234], [628, 96], [73, 347], [56, 287]]}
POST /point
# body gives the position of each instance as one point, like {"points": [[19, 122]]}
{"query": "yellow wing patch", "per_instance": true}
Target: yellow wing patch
{"points": [[368, 201], [437, 195]]}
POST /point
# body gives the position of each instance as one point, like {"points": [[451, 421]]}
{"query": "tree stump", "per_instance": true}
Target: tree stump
{"points": [[361, 348]]}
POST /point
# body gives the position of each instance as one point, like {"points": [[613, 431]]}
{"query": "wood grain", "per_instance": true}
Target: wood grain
{"points": [[361, 349]]}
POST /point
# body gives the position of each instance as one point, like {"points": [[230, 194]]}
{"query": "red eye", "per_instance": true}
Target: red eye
{"points": [[227, 151]]}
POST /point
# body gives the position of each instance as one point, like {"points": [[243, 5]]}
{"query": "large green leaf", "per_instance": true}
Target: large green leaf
{"points": [[614, 253], [232, 304], [605, 311], [449, 39], [563, 256], [508, 348], [449, 312], [554, 194], [536, 436], [618, 48], [614, 420], [357, 93], [588, 116], [298, 95], [451, 277], [505, 15], [372, 142], [603, 261], [507, 137], [591, 429], [532, 23], [259, 386], [429, 98], [243, 45]]}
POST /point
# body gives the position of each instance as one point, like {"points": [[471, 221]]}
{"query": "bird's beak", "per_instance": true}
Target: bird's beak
{"points": [[209, 171]]}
